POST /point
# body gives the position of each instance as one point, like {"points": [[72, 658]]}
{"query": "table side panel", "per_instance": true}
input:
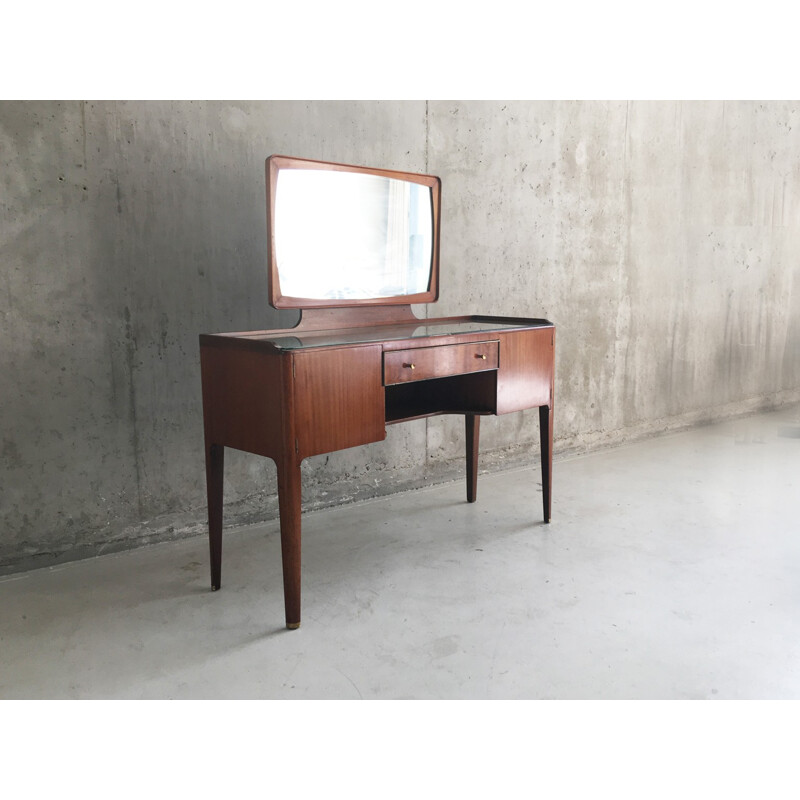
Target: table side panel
{"points": [[242, 399], [525, 374], [338, 398]]}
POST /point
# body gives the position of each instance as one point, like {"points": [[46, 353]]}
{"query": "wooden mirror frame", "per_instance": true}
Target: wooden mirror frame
{"points": [[276, 163]]}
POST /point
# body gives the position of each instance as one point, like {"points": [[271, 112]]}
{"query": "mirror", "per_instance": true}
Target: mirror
{"points": [[346, 236]]}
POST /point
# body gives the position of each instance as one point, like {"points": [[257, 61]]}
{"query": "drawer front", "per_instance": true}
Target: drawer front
{"points": [[422, 363]]}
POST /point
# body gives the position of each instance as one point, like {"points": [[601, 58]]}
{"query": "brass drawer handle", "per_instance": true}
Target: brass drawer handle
{"points": [[410, 366], [480, 355]]}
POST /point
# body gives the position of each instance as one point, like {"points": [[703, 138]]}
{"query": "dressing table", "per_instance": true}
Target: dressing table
{"points": [[354, 248]]}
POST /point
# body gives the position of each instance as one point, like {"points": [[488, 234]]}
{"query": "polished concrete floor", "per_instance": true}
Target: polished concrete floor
{"points": [[671, 570]]}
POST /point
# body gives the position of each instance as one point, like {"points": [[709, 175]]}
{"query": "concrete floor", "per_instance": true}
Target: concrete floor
{"points": [[671, 570]]}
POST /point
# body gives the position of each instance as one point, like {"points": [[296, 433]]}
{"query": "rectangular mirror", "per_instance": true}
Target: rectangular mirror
{"points": [[342, 235]]}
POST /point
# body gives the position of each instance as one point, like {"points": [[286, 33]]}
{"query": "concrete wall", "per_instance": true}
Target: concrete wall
{"points": [[663, 239]]}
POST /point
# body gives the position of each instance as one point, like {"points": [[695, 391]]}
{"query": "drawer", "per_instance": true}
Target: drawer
{"points": [[422, 363]]}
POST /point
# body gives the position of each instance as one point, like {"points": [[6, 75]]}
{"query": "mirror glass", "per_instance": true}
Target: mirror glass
{"points": [[351, 236]]}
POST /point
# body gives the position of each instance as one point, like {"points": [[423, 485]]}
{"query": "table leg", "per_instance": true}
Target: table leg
{"points": [[215, 464], [289, 486], [546, 437], [473, 429]]}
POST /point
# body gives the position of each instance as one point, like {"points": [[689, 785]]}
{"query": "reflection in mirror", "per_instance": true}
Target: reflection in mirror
{"points": [[344, 235]]}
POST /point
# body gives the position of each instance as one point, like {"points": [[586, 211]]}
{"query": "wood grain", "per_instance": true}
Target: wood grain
{"points": [[525, 373], [242, 397], [423, 363], [338, 399]]}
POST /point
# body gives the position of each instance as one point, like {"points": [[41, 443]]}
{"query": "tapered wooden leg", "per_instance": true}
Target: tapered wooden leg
{"points": [[215, 463], [473, 427], [289, 504], [546, 436]]}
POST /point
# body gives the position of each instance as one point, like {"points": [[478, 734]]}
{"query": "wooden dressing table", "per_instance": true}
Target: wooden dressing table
{"points": [[354, 365]]}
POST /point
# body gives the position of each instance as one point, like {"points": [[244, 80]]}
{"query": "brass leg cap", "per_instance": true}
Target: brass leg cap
{"points": [[292, 626]]}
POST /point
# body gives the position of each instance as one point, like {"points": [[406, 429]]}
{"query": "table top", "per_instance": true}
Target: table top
{"points": [[286, 340]]}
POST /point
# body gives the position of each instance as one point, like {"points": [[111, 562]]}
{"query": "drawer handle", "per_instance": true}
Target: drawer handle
{"points": [[480, 355], [410, 366]]}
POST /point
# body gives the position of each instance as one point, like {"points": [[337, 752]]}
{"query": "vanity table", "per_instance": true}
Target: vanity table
{"points": [[354, 248]]}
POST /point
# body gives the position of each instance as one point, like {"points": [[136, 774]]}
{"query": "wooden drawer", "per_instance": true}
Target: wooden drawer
{"points": [[422, 363]]}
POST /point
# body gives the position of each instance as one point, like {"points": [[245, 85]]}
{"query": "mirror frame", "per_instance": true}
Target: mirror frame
{"points": [[276, 163]]}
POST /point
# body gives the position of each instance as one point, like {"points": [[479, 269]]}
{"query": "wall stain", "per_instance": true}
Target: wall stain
{"points": [[130, 355]]}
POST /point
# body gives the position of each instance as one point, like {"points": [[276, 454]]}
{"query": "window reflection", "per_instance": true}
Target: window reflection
{"points": [[341, 235]]}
